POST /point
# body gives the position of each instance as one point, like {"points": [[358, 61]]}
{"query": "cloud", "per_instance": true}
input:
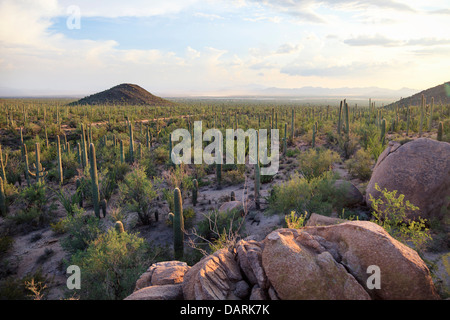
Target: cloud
{"points": [[373, 40], [287, 48], [208, 16], [129, 8], [307, 10], [380, 40], [354, 68]]}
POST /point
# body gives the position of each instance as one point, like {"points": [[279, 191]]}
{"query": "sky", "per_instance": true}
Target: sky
{"points": [[219, 47]]}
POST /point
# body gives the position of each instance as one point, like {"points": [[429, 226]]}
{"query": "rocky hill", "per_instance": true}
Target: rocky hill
{"points": [[123, 94], [440, 93]]}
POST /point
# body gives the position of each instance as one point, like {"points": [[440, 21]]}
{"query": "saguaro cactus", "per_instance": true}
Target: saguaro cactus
{"points": [[292, 125], [40, 172], [103, 205], [27, 169], [2, 165], [94, 180], [408, 120], [119, 227], [422, 108], [313, 142], [257, 185], [219, 170], [122, 154], [383, 131], [58, 151], [131, 143], [178, 224], [440, 131], [430, 123], [339, 119], [3, 205]]}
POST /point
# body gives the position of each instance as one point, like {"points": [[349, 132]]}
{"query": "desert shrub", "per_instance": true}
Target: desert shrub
{"points": [[375, 146], [315, 162], [233, 177], [220, 228], [360, 165], [111, 265], [389, 211], [348, 144], [161, 155], [81, 230], [319, 195], [35, 208], [137, 192], [6, 243], [67, 200], [295, 221], [12, 288]]}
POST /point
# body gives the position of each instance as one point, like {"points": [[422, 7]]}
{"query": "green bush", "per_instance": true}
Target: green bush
{"points": [[360, 165], [389, 211], [81, 230], [137, 192], [315, 162], [111, 265], [317, 195]]}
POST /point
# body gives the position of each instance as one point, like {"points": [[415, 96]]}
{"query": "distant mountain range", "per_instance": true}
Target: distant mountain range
{"points": [[251, 90]]}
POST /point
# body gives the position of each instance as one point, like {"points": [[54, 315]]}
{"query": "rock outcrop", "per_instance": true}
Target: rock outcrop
{"points": [[420, 170], [315, 262]]}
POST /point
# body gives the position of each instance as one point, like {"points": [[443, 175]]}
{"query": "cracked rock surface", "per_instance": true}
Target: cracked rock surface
{"points": [[315, 262]]}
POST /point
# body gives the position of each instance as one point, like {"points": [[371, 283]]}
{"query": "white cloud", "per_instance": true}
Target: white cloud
{"points": [[129, 8]]}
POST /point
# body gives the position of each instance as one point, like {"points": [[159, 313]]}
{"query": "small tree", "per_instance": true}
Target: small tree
{"points": [[137, 192], [111, 264]]}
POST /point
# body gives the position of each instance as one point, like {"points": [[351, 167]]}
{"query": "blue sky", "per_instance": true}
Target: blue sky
{"points": [[192, 47]]}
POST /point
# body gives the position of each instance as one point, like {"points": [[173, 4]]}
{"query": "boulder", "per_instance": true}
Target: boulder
{"points": [[321, 220], [165, 292], [360, 244], [215, 277], [249, 258], [420, 170], [163, 273], [299, 268], [351, 194], [232, 206]]}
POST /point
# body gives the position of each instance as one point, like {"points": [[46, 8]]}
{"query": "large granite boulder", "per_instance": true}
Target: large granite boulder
{"points": [[357, 245], [420, 170], [300, 268]]}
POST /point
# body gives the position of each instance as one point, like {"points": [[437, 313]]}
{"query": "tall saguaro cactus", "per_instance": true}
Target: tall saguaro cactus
{"points": [[58, 151], [422, 108], [94, 180], [178, 224], [383, 131], [131, 143], [440, 131], [3, 205], [40, 172], [3, 164], [257, 185]]}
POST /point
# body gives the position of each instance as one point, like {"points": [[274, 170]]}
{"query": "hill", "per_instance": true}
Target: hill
{"points": [[123, 94], [440, 93]]}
